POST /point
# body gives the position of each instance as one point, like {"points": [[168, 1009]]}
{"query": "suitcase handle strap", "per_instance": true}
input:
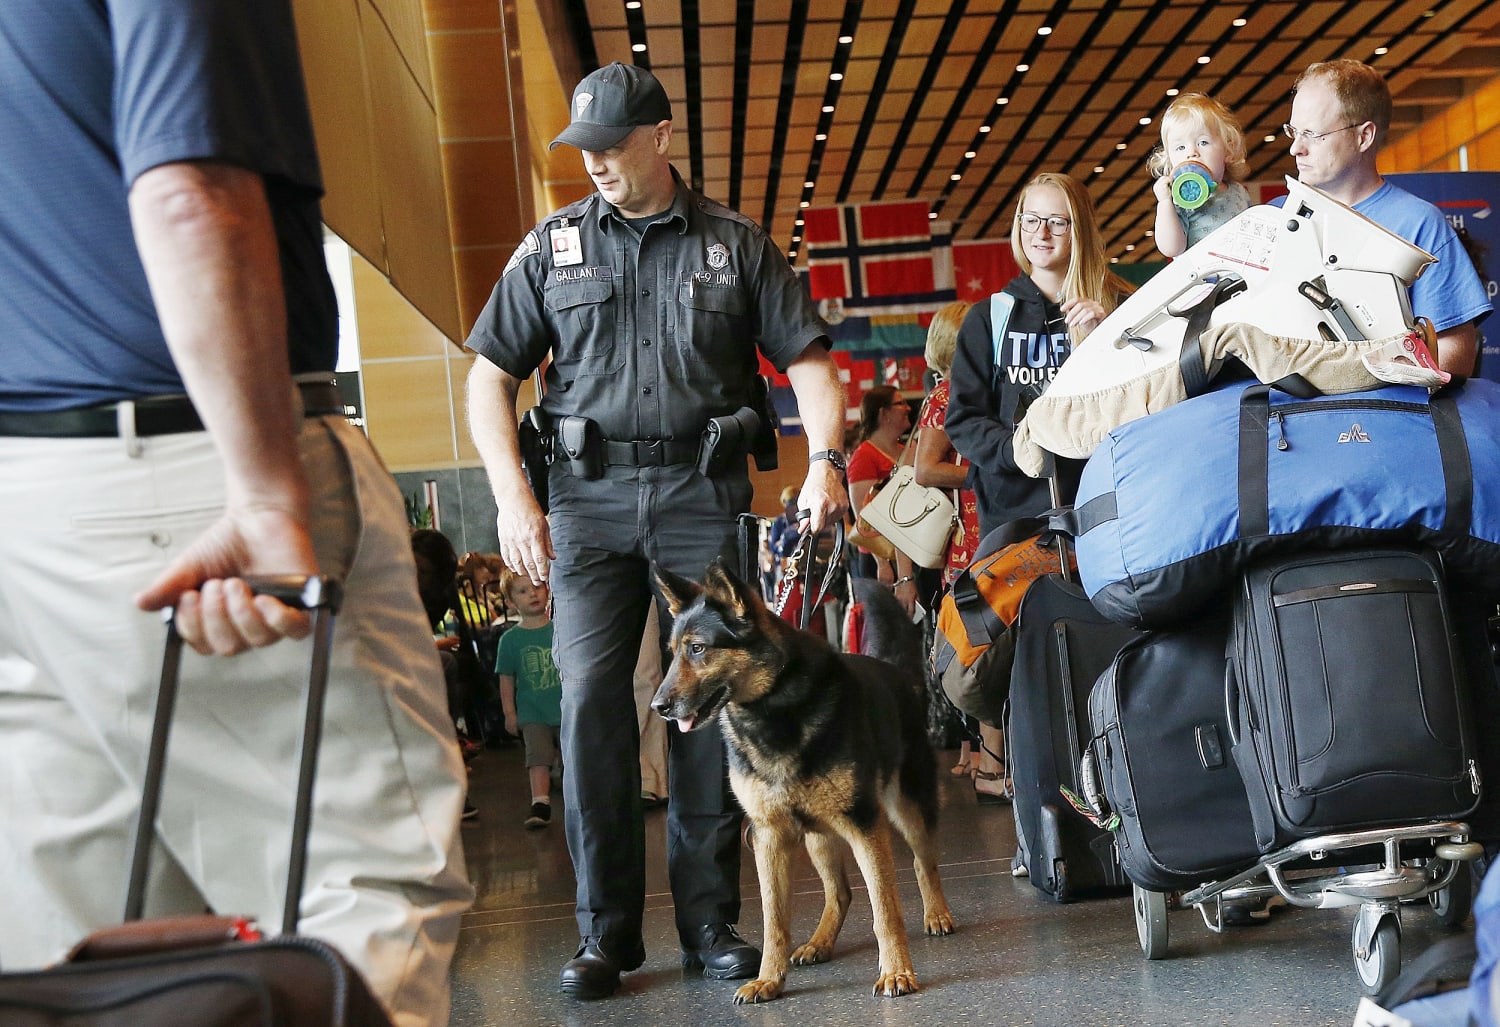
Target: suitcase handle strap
{"points": [[1254, 469], [322, 596]]}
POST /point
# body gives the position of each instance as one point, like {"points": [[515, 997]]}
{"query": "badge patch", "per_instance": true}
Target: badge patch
{"points": [[528, 246], [582, 102], [718, 256]]}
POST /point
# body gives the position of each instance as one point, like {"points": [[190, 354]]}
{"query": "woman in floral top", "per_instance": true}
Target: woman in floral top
{"points": [[938, 464]]}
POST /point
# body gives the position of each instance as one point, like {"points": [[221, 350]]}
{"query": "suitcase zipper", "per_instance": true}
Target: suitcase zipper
{"points": [[1281, 412]]}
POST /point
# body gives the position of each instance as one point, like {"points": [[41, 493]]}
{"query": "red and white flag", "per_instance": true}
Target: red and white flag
{"points": [[982, 267], [872, 249]]}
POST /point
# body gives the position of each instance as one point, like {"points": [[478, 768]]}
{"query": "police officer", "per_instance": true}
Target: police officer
{"points": [[653, 301]]}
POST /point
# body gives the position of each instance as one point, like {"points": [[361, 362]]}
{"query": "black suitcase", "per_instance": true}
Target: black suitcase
{"points": [[1062, 646], [207, 971], [1160, 749], [1349, 707]]}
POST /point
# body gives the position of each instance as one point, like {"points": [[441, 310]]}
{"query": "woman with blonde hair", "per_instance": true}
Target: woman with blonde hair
{"points": [[1010, 347]]}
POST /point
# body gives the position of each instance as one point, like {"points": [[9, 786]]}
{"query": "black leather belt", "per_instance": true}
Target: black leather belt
{"points": [[650, 452], [161, 415]]}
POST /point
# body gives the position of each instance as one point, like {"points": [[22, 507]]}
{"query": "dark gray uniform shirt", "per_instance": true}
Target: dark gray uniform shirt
{"points": [[650, 336]]}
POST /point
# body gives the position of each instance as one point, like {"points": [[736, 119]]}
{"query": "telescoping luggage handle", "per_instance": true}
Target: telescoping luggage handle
{"points": [[322, 596]]}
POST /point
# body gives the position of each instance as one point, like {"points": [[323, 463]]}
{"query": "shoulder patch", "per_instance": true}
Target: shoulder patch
{"points": [[528, 246]]}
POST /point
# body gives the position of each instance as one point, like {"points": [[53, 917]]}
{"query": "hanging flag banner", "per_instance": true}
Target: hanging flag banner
{"points": [[982, 267], [869, 249]]}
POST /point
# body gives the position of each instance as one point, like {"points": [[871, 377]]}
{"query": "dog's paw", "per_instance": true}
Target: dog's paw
{"points": [[938, 922], [811, 953], [758, 990], [900, 983]]}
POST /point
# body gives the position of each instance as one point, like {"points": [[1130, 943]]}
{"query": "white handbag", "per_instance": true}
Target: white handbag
{"points": [[916, 519]]}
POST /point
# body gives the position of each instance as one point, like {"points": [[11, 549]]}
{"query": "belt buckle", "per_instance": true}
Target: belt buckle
{"points": [[651, 452]]}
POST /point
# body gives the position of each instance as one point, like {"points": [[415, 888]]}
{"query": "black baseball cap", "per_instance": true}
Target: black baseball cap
{"points": [[610, 103]]}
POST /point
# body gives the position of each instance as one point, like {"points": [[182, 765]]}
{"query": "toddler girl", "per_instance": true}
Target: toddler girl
{"points": [[1200, 129]]}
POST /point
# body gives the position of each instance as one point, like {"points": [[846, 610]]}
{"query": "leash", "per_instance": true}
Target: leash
{"points": [[800, 568]]}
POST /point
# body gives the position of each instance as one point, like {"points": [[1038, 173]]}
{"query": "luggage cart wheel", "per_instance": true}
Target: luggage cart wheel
{"points": [[1379, 961], [1453, 903], [1150, 921]]}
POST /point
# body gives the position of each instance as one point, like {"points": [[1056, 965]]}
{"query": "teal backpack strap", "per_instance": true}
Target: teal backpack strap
{"points": [[1001, 305]]}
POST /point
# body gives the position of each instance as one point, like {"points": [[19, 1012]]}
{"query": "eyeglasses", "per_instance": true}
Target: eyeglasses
{"points": [[1314, 137], [1032, 223]]}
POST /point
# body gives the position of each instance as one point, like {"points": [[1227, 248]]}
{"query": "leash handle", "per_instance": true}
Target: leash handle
{"points": [[801, 568]]}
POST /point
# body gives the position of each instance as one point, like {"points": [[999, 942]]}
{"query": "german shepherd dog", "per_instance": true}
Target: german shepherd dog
{"points": [[821, 746]]}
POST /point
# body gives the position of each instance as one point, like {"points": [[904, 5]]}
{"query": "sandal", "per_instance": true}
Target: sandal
{"points": [[987, 797]]}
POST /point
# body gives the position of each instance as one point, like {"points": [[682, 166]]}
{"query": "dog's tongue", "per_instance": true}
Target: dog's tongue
{"points": [[685, 724]]}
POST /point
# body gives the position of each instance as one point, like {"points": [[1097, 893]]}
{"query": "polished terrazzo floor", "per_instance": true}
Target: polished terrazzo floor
{"points": [[1016, 959]]}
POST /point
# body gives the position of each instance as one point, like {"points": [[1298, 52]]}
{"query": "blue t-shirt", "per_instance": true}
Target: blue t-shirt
{"points": [[92, 94], [526, 655], [1447, 293]]}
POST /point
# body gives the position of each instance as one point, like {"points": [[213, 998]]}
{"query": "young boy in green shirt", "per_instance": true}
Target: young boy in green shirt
{"points": [[530, 689]]}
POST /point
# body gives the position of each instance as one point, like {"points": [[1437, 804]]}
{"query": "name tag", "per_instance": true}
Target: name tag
{"points": [[567, 248]]}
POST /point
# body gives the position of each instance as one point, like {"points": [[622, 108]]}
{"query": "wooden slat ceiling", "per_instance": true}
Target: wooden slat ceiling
{"points": [[958, 102]]}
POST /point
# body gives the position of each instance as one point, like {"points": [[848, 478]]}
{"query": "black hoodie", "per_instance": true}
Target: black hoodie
{"points": [[992, 384]]}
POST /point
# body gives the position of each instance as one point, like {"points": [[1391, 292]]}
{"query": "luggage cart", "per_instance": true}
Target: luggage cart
{"points": [[1336, 870]]}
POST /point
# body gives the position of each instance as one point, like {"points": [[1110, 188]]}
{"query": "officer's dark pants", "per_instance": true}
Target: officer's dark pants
{"points": [[606, 532]]}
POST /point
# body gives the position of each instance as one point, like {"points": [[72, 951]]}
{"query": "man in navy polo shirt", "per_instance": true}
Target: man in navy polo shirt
{"points": [[167, 340]]}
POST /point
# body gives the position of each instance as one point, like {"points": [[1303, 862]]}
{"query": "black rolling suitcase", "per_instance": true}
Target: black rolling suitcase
{"points": [[207, 971], [1161, 753], [1349, 707], [1062, 646]]}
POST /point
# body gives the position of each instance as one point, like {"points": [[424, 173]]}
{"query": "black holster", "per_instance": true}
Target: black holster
{"points": [[534, 434], [763, 444], [725, 438]]}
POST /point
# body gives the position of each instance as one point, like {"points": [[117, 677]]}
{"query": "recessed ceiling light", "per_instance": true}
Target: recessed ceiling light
{"points": [[955, 177], [1239, 23], [1172, 92], [1381, 51], [821, 136], [1002, 100], [1145, 121], [1204, 59], [1270, 139], [639, 47], [828, 108], [846, 40], [970, 155], [809, 185], [837, 76], [804, 203], [1023, 67], [932, 215], [1119, 146], [1098, 169], [796, 238], [1114, 260], [1130, 248], [984, 128], [1045, 30], [633, 5], [798, 222]]}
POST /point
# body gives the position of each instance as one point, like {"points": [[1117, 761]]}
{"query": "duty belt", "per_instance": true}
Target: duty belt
{"points": [[157, 415], [650, 452]]}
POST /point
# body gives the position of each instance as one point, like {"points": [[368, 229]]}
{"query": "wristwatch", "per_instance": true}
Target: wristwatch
{"points": [[834, 457]]}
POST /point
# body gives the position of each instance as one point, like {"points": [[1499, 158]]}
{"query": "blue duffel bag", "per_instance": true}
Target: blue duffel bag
{"points": [[1172, 506]]}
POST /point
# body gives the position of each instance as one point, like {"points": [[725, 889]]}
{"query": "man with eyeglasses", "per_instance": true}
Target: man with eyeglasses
{"points": [[1341, 115]]}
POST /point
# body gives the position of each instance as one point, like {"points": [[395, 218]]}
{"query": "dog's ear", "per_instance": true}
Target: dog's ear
{"points": [[679, 591], [725, 586]]}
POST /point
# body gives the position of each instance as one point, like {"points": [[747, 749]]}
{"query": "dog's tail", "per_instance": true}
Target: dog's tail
{"points": [[889, 634]]}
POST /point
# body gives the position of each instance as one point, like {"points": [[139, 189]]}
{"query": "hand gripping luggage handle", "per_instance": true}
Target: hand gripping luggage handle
{"points": [[320, 595]]}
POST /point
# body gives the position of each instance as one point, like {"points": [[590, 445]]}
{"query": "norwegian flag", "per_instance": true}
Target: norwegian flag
{"points": [[870, 249], [982, 267]]}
